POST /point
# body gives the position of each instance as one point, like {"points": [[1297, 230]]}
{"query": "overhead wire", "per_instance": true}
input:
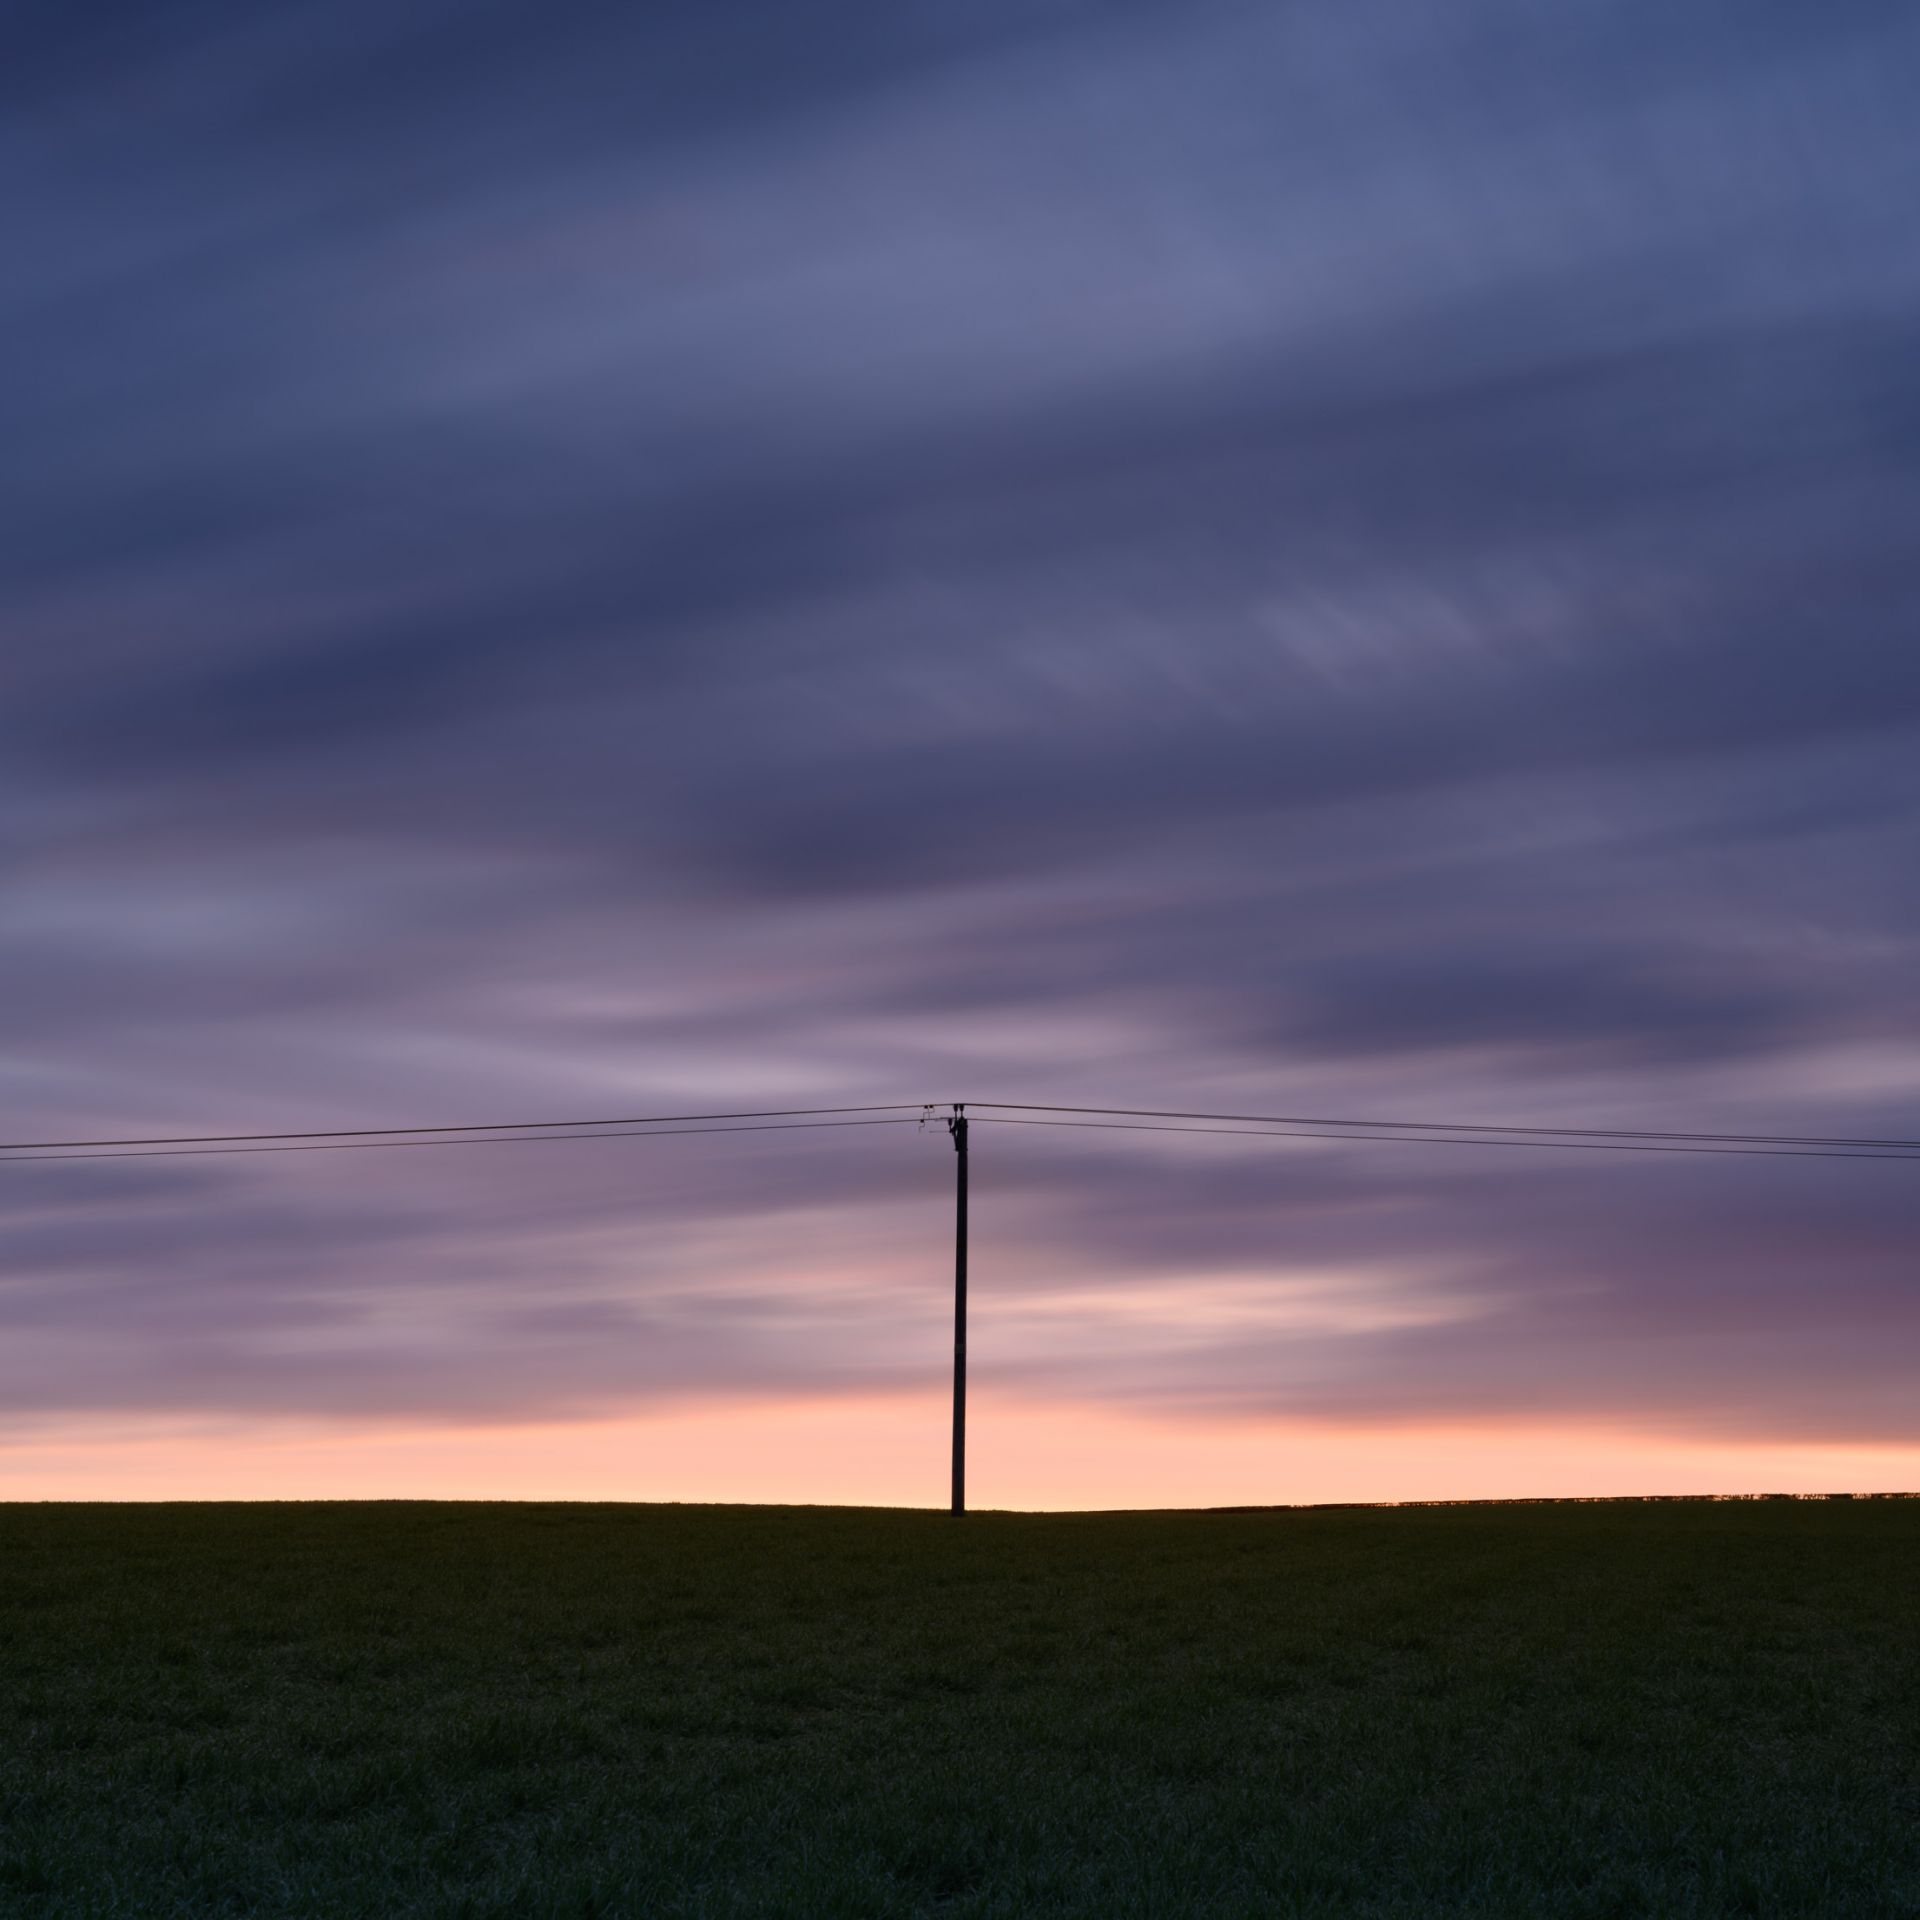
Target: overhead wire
{"points": [[474, 1126], [1461, 1126], [511, 1140], [1005, 1113], [1445, 1140]]}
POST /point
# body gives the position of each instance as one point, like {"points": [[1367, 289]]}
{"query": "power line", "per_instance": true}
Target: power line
{"points": [[1442, 1139], [478, 1126], [518, 1140], [1461, 1126], [903, 1112]]}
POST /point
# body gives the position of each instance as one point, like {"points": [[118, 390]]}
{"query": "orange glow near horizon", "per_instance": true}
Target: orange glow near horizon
{"points": [[893, 1452]]}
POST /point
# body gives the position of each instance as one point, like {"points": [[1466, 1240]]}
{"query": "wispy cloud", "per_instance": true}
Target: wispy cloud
{"points": [[605, 558]]}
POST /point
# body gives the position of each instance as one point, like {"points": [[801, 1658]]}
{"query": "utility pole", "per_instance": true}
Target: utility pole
{"points": [[957, 1126]]}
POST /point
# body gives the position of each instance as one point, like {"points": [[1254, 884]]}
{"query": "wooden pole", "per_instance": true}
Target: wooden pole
{"points": [[957, 1126]]}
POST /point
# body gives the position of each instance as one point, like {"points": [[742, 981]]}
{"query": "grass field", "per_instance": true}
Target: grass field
{"points": [[1663, 1709]]}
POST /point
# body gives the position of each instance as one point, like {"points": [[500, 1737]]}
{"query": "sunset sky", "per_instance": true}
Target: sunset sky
{"points": [[580, 559]]}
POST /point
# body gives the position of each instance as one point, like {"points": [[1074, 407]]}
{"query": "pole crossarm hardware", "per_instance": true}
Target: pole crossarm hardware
{"points": [[957, 1127]]}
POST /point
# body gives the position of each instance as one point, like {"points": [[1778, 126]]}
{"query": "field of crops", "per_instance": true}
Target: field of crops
{"points": [[1569, 1710]]}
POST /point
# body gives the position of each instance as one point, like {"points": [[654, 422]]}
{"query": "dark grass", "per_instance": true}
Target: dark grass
{"points": [[1584, 1710]]}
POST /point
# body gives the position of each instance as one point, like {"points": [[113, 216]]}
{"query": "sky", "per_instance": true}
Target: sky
{"points": [[592, 560]]}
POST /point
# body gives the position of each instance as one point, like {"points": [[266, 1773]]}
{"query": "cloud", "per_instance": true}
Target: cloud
{"points": [[612, 560]]}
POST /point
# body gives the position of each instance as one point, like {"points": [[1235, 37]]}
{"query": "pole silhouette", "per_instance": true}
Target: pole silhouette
{"points": [[957, 1126]]}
